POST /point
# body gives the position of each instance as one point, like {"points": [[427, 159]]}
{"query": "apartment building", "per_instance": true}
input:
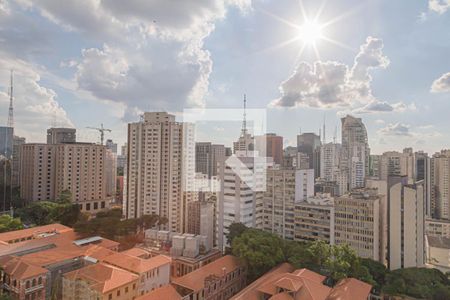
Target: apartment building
{"points": [[207, 158], [49, 169], [61, 135], [314, 219], [160, 168], [270, 145], [357, 222]]}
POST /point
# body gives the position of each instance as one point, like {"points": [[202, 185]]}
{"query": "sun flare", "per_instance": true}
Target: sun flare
{"points": [[310, 32]]}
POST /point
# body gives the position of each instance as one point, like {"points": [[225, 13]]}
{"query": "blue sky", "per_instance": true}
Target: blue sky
{"points": [[90, 62]]}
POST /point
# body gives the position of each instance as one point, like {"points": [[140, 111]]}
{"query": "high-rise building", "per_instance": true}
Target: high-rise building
{"points": [[406, 224], [17, 142], [6, 141], [356, 151], [331, 168], [270, 145], [46, 170], [242, 180], [309, 143], [61, 135], [440, 185], [207, 158], [111, 146], [111, 173], [357, 222], [314, 219], [160, 167]]}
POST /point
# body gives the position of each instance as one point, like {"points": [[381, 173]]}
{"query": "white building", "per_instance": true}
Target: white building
{"points": [[160, 168]]}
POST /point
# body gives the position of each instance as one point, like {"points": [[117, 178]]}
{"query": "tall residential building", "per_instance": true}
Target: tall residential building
{"points": [[440, 185], [314, 219], [6, 141], [406, 224], [17, 142], [357, 222], [356, 151], [279, 200], [46, 170], [242, 180], [61, 135], [270, 145], [160, 166], [309, 143], [111, 173], [207, 158]]}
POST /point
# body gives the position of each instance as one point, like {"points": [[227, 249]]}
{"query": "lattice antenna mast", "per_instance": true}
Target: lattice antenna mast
{"points": [[244, 121], [11, 106]]}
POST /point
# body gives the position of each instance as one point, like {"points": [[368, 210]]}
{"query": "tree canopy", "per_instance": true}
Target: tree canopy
{"points": [[8, 223]]}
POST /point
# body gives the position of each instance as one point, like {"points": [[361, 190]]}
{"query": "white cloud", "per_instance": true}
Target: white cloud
{"points": [[36, 107], [442, 84], [439, 6], [396, 129], [152, 55], [336, 85]]}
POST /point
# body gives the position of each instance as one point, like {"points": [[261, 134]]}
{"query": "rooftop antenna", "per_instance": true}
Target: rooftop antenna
{"points": [[244, 121], [102, 131], [11, 107], [335, 134]]}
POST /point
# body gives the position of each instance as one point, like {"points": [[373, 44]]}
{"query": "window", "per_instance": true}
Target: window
{"points": [[118, 293], [110, 296], [88, 206], [126, 290]]}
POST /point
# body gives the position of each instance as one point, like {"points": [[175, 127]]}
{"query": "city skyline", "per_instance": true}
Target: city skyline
{"points": [[76, 69]]}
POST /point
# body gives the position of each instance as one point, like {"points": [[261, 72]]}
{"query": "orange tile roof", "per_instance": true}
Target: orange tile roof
{"points": [[136, 264], [350, 289], [19, 269], [102, 277], [251, 292], [33, 232], [167, 292], [137, 252], [195, 280]]}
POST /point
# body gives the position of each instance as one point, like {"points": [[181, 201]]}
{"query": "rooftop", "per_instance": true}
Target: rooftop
{"points": [[136, 264], [196, 279], [102, 277], [17, 268], [33, 233], [167, 292]]}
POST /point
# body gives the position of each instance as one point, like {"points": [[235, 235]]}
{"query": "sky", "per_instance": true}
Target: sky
{"points": [[90, 62]]}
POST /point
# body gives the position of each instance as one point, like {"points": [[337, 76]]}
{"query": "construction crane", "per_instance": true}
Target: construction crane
{"points": [[102, 132]]}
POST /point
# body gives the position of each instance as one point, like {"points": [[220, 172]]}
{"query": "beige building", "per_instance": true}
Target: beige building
{"points": [[160, 168], [357, 222], [406, 224], [437, 228], [440, 182], [49, 169], [314, 219]]}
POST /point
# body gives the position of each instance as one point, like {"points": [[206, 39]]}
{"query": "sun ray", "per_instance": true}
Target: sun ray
{"points": [[319, 12], [342, 16], [337, 43], [279, 45], [303, 11], [280, 19]]}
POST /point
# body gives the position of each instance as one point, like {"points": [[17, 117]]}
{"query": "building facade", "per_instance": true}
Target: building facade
{"points": [[61, 135]]}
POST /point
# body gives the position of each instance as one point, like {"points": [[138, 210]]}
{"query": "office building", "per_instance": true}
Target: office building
{"points": [[243, 179], [6, 141], [207, 157], [47, 170], [355, 151], [270, 145], [160, 169], [309, 143], [111, 146], [314, 219], [440, 185], [17, 142], [406, 224], [61, 135], [357, 222]]}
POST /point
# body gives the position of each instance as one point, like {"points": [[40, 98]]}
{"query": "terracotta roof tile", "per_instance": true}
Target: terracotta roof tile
{"points": [[19, 269], [195, 280], [102, 277], [136, 264], [350, 289], [33, 232], [167, 292]]}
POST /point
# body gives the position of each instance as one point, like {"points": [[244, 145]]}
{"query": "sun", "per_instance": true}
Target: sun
{"points": [[310, 32]]}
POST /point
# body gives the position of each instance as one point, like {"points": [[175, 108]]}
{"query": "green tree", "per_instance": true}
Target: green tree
{"points": [[8, 223], [65, 197], [260, 250], [235, 230]]}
